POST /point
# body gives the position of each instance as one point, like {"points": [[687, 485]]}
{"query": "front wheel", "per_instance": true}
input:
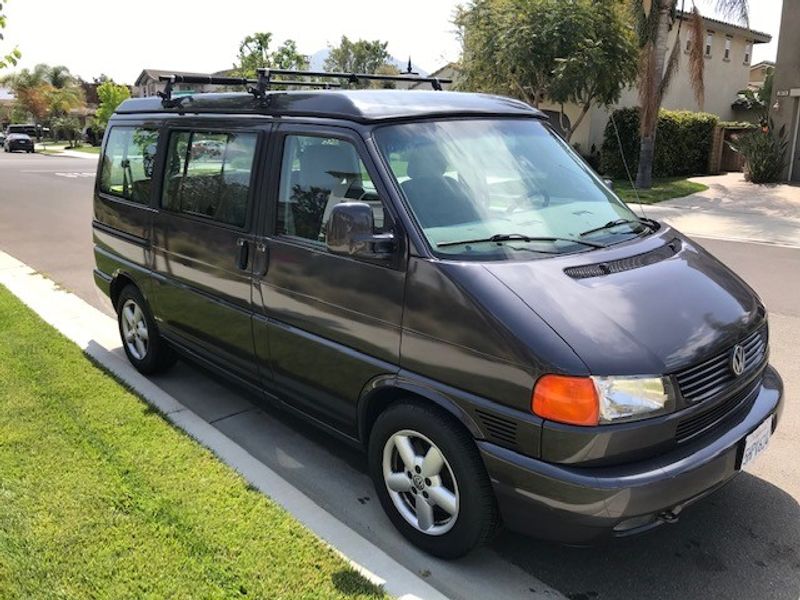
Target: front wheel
{"points": [[430, 479], [143, 345]]}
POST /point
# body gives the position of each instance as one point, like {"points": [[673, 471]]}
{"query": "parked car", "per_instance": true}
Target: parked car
{"points": [[18, 141], [439, 279]]}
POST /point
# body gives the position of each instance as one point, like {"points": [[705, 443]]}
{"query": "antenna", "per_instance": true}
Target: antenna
{"points": [[627, 170]]}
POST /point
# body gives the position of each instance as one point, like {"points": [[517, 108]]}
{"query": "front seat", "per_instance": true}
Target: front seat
{"points": [[436, 200]]}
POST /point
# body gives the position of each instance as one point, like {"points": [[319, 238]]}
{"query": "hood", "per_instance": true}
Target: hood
{"points": [[646, 320]]}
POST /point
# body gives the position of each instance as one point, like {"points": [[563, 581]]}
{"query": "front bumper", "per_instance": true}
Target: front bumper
{"points": [[583, 505]]}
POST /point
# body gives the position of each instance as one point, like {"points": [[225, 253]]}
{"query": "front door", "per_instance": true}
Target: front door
{"points": [[203, 245], [333, 322]]}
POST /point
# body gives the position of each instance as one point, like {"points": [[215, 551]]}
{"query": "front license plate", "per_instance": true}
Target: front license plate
{"points": [[756, 442]]}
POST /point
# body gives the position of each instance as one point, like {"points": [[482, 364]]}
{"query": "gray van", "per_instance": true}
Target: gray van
{"points": [[438, 278]]}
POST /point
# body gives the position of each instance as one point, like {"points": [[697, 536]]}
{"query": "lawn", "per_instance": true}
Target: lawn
{"points": [[88, 149], [101, 498], [663, 189]]}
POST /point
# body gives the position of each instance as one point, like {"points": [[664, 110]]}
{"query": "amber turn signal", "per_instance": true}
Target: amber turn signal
{"points": [[571, 400]]}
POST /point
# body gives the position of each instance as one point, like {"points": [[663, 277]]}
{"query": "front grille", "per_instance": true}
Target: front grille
{"points": [[705, 419], [500, 429], [713, 377], [625, 264]]}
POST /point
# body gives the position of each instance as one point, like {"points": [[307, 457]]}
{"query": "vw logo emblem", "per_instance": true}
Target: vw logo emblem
{"points": [[737, 360]]}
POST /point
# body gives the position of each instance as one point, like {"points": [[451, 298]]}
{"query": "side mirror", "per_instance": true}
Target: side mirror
{"points": [[351, 231], [609, 183]]}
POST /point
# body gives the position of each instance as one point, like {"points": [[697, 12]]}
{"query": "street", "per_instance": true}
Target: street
{"points": [[742, 542]]}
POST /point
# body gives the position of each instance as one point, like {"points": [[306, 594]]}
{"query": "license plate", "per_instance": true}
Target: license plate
{"points": [[756, 442]]}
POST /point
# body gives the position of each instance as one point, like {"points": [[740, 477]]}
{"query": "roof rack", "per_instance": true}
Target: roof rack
{"points": [[258, 87], [435, 82]]}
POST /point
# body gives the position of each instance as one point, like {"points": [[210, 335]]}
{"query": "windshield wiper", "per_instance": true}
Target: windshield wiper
{"points": [[518, 237], [611, 224]]}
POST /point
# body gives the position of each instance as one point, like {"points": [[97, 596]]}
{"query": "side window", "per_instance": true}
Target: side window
{"points": [[128, 163], [208, 175], [316, 174]]}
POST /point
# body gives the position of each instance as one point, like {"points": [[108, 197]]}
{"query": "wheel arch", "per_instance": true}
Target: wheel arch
{"points": [[385, 390], [119, 280]]}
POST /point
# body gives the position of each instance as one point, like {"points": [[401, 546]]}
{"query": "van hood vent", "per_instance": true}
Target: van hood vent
{"points": [[625, 264]]}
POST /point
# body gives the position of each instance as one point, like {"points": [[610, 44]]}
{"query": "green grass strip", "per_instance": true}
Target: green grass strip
{"points": [[101, 498], [663, 189]]}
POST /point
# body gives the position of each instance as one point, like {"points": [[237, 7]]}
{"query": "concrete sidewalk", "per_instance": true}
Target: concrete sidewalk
{"points": [[734, 209]]}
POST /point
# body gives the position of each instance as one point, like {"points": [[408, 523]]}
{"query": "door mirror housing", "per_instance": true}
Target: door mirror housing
{"points": [[350, 231], [609, 183]]}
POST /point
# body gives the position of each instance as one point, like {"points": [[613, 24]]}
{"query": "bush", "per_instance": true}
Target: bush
{"points": [[764, 153], [683, 143]]}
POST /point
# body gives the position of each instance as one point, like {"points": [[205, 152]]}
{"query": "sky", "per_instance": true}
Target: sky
{"points": [[120, 39]]}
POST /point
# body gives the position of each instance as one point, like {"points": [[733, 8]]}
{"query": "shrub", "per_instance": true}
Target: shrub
{"points": [[683, 143], [764, 153]]}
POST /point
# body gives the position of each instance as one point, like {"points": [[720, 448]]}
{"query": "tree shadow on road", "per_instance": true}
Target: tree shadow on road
{"points": [[741, 542]]}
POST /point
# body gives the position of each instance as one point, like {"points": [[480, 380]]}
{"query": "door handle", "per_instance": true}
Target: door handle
{"points": [[262, 250], [243, 257]]}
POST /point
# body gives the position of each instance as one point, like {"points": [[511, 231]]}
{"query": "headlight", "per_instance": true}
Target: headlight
{"points": [[631, 398], [592, 401]]}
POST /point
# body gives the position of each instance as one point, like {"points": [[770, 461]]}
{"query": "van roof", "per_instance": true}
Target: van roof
{"points": [[354, 105]]}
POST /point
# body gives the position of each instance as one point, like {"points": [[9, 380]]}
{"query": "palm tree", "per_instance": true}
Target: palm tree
{"points": [[654, 19], [62, 100]]}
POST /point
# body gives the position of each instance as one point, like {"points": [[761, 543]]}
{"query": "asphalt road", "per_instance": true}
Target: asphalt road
{"points": [[742, 542]]}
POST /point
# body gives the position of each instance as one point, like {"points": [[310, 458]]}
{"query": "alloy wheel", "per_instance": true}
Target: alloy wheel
{"points": [[134, 329], [420, 482]]}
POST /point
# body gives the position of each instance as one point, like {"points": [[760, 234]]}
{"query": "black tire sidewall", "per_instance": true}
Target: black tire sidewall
{"points": [[477, 514]]}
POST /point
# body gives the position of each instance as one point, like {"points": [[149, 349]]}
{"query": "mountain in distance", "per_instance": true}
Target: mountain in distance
{"points": [[317, 62]]}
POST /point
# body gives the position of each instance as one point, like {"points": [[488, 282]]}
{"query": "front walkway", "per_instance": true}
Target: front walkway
{"points": [[731, 208]]}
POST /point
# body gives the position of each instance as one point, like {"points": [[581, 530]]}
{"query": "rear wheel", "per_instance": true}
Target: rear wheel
{"points": [[144, 347], [430, 479]]}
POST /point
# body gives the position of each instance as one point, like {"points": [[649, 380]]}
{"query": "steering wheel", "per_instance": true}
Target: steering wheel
{"points": [[541, 199]]}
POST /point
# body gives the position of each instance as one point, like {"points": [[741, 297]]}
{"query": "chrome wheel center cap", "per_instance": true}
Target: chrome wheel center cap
{"points": [[418, 482]]}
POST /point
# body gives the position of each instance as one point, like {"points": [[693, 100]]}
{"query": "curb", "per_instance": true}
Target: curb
{"points": [[97, 335]]}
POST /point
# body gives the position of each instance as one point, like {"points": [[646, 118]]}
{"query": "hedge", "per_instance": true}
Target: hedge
{"points": [[683, 143]]}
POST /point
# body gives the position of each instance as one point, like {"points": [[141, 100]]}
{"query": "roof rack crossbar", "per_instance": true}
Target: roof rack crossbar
{"points": [[435, 82]]}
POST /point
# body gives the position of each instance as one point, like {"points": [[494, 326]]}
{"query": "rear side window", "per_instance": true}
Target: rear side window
{"points": [[208, 175], [128, 163], [316, 174]]}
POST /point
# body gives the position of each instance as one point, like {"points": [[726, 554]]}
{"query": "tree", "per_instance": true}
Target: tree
{"points": [[360, 56], [67, 128], [254, 54], [9, 57], [45, 92], [64, 99], [653, 21], [579, 51], [111, 96]]}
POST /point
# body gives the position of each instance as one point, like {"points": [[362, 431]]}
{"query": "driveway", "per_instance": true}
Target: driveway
{"points": [[734, 209]]}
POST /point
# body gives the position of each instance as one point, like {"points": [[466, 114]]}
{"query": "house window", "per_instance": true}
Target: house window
{"points": [[709, 40], [688, 45], [727, 48], [748, 50]]}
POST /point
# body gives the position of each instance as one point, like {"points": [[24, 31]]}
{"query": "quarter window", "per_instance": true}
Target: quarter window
{"points": [[316, 174], [208, 175], [128, 163]]}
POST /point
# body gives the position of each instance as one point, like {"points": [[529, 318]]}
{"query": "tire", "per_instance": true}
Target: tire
{"points": [[146, 350], [461, 484]]}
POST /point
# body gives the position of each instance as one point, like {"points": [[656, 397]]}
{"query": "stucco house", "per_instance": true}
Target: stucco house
{"points": [[148, 83], [786, 86], [728, 51], [759, 72]]}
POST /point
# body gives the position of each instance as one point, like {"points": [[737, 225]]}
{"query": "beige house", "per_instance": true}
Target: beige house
{"points": [[759, 72], [148, 83], [786, 86], [728, 50]]}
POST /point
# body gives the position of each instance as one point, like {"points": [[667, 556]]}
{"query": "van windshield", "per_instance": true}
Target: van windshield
{"points": [[502, 188]]}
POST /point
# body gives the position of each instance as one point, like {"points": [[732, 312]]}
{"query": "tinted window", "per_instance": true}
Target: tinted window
{"points": [[316, 174], [128, 163], [208, 175]]}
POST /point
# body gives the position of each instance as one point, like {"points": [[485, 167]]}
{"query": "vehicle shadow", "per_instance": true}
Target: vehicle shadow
{"points": [[741, 542]]}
